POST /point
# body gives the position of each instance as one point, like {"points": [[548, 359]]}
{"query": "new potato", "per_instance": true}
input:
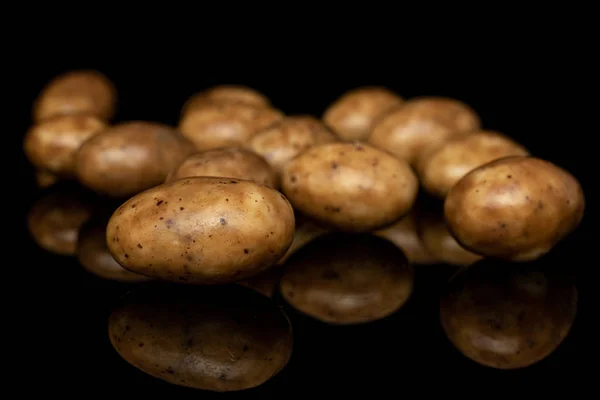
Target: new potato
{"points": [[225, 94], [204, 230]]}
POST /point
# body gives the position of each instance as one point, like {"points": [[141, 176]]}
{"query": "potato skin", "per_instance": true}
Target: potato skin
{"points": [[217, 339], [353, 114], [507, 316], [350, 186], [226, 94], [441, 168], [51, 145], [227, 162], [77, 92], [216, 125], [130, 157], [346, 279], [284, 140], [420, 124], [515, 208], [203, 230]]}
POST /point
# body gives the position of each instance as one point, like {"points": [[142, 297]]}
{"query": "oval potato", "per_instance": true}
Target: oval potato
{"points": [[350, 186], [51, 145], [227, 162], [441, 168], [515, 208], [204, 230], [77, 92], [226, 94], [130, 157]]}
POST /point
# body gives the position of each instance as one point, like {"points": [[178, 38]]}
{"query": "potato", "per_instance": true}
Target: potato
{"points": [[216, 125], [45, 179], [226, 94], [51, 145], [264, 283], [420, 124], [228, 162], [217, 339], [130, 157], [289, 137], [93, 254], [306, 231], [347, 279], [77, 92], [440, 169], [350, 186], [515, 208], [203, 230], [353, 114], [404, 234], [55, 218], [505, 315]]}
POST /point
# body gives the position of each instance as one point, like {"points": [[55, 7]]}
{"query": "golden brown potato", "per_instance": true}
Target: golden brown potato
{"points": [[218, 339], [227, 162], [216, 125], [404, 234], [420, 124], [93, 254], [77, 92], [508, 316], [226, 94], [441, 168], [289, 137], [45, 179], [51, 145], [202, 230], [353, 114], [130, 157], [55, 219], [347, 279], [515, 208], [264, 283], [350, 186], [306, 231]]}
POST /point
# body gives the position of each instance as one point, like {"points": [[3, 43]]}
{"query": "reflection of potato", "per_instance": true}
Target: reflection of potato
{"points": [[219, 339], [265, 282], [508, 316], [306, 230], [225, 94], [347, 279]]}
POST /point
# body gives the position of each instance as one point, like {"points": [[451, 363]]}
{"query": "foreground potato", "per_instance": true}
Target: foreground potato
{"points": [[508, 316], [219, 339], [350, 186], [226, 94], [93, 255], [441, 168], [216, 125], [347, 279], [76, 92], [284, 140], [421, 124], [202, 230], [353, 114], [51, 145], [228, 162], [130, 157], [514, 208]]}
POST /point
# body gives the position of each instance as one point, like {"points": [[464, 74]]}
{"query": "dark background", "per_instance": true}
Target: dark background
{"points": [[62, 311]]}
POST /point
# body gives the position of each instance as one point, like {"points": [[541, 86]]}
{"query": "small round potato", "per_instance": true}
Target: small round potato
{"points": [[203, 230], [227, 162], [421, 124], [51, 145], [216, 125], [350, 186], [515, 208], [307, 230], [226, 94], [353, 114], [45, 179], [440, 169], [347, 279], [130, 157], [283, 141], [77, 92], [217, 339], [507, 316], [93, 254]]}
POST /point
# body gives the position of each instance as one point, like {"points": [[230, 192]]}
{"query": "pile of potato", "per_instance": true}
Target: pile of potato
{"points": [[329, 213]]}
